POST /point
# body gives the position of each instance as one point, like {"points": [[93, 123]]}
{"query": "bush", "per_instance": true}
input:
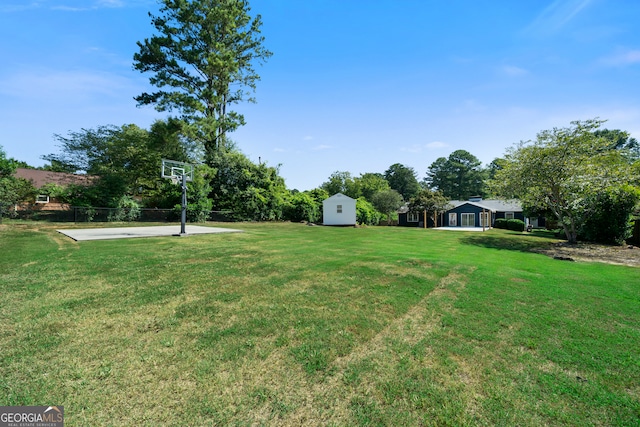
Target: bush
{"points": [[500, 223], [127, 210], [608, 216], [366, 214], [515, 225], [301, 207]]}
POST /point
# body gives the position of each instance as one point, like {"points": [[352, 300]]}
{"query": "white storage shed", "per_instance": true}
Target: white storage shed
{"points": [[339, 210]]}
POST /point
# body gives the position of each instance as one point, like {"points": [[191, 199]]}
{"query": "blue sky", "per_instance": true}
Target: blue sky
{"points": [[354, 85]]}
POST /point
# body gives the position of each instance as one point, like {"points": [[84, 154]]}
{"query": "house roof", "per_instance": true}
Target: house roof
{"points": [[338, 196], [40, 178], [493, 205]]}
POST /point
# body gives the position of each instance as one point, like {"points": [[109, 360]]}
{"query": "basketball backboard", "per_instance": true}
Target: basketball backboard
{"points": [[173, 169]]}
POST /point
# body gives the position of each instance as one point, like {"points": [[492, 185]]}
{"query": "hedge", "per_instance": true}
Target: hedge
{"points": [[515, 225]]}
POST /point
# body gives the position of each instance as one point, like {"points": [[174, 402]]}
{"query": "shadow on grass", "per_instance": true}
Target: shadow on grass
{"points": [[529, 242]]}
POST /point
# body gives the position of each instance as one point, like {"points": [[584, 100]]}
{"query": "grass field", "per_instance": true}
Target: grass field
{"points": [[286, 324]]}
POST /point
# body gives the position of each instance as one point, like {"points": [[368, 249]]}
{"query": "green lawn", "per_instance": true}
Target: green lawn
{"points": [[287, 324]]}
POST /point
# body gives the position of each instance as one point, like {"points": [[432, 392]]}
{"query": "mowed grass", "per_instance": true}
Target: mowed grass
{"points": [[287, 324]]}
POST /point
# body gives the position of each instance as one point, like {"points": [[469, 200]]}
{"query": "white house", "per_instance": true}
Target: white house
{"points": [[339, 210]]}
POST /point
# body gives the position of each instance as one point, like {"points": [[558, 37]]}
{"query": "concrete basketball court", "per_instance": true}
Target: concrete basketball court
{"points": [[82, 234]]}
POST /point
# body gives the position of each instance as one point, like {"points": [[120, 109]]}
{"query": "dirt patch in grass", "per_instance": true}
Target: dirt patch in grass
{"points": [[591, 252]]}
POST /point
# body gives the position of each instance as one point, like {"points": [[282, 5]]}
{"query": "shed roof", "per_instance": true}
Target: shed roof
{"points": [[338, 196]]}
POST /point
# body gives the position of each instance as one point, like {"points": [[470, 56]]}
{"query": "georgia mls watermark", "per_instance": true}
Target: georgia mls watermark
{"points": [[31, 416]]}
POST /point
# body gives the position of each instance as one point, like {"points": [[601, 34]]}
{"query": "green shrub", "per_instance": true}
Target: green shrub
{"points": [[127, 210], [301, 207], [366, 214], [608, 216], [500, 223], [515, 225]]}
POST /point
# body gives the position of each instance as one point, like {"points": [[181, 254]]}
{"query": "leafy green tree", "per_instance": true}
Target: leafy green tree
{"points": [[608, 215], [250, 191], [366, 213], [621, 140], [301, 207], [202, 62], [126, 159], [388, 202], [340, 182], [13, 190], [458, 177], [561, 170], [368, 184], [428, 201], [318, 195], [493, 167], [7, 166], [403, 179]]}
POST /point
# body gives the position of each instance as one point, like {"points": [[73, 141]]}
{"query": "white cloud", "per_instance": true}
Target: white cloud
{"points": [[307, 138], [279, 150], [68, 5], [55, 84], [19, 7], [622, 58], [436, 145], [321, 147], [555, 16], [111, 3], [419, 148], [415, 148], [512, 70]]}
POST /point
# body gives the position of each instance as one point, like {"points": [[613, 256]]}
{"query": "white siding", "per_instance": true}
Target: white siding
{"points": [[339, 210]]}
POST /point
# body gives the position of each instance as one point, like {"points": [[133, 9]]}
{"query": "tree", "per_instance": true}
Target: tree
{"points": [[250, 191], [458, 177], [12, 190], [387, 202], [368, 184], [429, 202], [202, 62], [564, 171], [608, 215], [7, 166], [366, 213], [402, 179], [340, 182], [621, 140], [301, 207], [126, 159]]}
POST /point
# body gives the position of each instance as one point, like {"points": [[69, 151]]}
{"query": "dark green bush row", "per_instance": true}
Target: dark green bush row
{"points": [[500, 223], [515, 225]]}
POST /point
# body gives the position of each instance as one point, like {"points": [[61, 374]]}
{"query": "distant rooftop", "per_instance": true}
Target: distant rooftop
{"points": [[40, 178]]}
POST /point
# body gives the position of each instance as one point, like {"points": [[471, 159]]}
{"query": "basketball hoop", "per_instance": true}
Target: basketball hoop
{"points": [[179, 173]]}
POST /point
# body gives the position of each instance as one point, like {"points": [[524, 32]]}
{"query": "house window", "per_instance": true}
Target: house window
{"points": [[42, 198], [509, 215], [453, 219], [468, 219], [413, 217], [339, 210]]}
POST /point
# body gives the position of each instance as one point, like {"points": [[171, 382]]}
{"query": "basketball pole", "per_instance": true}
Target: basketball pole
{"points": [[183, 221]]}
